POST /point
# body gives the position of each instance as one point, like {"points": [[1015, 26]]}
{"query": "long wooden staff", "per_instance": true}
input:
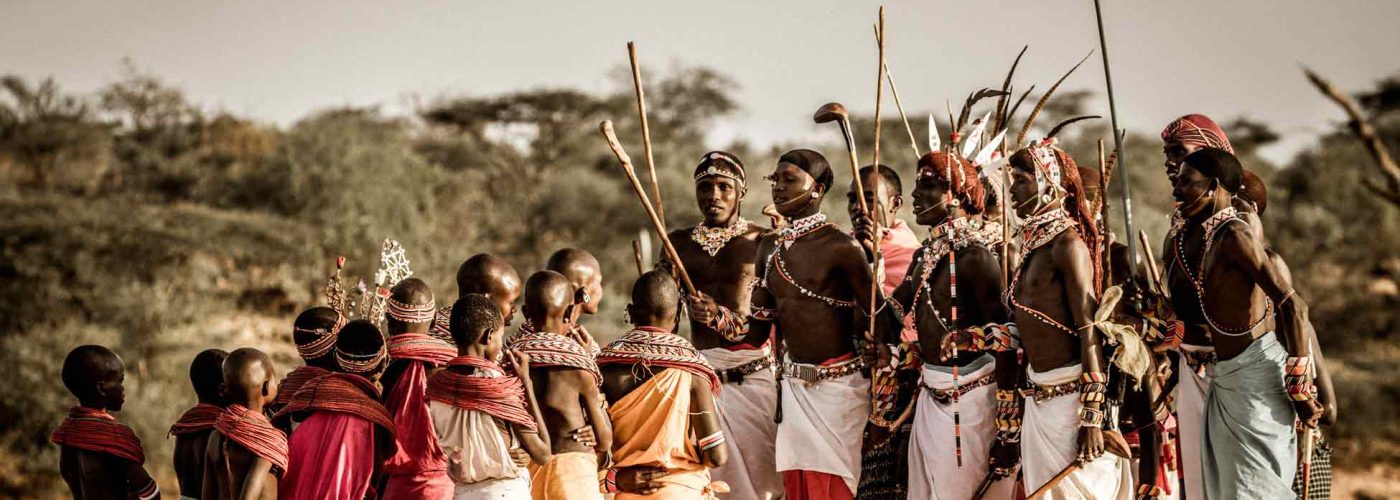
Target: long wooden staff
{"points": [[875, 167], [1103, 215], [660, 228], [1121, 159], [646, 130], [913, 143], [637, 256], [1064, 473], [1153, 272]]}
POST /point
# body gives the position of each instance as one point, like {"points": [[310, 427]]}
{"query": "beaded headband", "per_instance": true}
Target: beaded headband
{"points": [[359, 363], [411, 313], [1047, 164], [712, 170], [325, 338]]}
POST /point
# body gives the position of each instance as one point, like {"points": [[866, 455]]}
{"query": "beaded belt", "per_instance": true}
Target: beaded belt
{"points": [[1044, 392], [810, 373], [945, 396], [737, 374]]}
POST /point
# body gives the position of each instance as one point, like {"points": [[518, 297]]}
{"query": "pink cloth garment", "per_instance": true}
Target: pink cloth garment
{"points": [[898, 248], [331, 458], [419, 469]]}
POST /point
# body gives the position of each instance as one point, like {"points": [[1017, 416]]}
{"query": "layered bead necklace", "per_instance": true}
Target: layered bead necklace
{"points": [[1210, 227], [712, 239], [786, 237], [1040, 230]]}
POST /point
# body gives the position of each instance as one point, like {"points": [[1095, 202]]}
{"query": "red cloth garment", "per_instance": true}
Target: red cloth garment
{"points": [[502, 397], [421, 347], [554, 349], [294, 380], [809, 485], [1197, 130], [419, 468], [332, 457], [90, 429], [658, 347], [254, 432], [200, 417]]}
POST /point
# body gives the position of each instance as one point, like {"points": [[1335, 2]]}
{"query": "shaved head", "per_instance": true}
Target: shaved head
{"points": [[493, 276], [584, 273], [94, 374], [655, 299], [207, 373], [547, 295], [250, 379]]}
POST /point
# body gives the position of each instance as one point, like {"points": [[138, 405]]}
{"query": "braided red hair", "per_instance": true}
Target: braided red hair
{"points": [[968, 186]]}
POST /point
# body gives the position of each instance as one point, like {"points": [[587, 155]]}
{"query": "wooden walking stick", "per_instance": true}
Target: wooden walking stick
{"points": [[1064, 473], [637, 256], [1153, 272], [875, 167], [646, 129], [913, 143], [660, 228], [1105, 232]]}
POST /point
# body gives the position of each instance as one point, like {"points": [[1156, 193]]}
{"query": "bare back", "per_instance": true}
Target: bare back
{"points": [[92, 475], [189, 461], [231, 469], [565, 396]]}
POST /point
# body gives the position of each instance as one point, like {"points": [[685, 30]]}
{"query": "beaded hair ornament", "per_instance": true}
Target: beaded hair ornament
{"points": [[361, 303], [736, 170]]}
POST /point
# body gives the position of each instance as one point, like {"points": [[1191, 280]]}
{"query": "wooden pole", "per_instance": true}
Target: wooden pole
{"points": [[1069, 469], [875, 166], [913, 143], [1105, 231], [660, 228], [646, 129], [637, 257]]}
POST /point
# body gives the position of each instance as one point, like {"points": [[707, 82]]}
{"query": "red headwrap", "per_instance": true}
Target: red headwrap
{"points": [[253, 431], [343, 393], [95, 430], [421, 347], [968, 186], [200, 417], [501, 396], [1197, 130], [657, 347], [295, 380]]}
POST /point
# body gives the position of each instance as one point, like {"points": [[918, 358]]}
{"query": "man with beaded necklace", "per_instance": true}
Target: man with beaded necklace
{"points": [[814, 288], [1225, 260], [719, 255]]}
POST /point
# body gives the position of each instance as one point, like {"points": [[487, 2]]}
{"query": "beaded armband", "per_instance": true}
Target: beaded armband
{"points": [[1090, 417], [1295, 378], [609, 482], [1092, 387], [711, 441], [763, 314], [1148, 491], [996, 338], [729, 324], [1008, 416]]}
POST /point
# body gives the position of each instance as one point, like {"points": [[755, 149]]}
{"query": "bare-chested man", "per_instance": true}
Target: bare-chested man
{"points": [[566, 380], [1249, 442], [892, 385], [192, 430], [100, 457], [1053, 298], [955, 431], [662, 395], [719, 255], [246, 455], [814, 287]]}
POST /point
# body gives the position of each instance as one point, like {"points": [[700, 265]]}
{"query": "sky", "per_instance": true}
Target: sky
{"points": [[279, 60]]}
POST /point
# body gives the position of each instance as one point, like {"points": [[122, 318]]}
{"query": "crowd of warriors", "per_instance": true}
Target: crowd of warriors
{"points": [[1073, 373]]}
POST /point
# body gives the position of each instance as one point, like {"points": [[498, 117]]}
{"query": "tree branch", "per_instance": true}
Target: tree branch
{"points": [[1363, 130]]}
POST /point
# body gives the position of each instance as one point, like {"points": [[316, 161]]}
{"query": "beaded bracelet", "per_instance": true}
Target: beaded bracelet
{"points": [[1148, 491], [1090, 417], [609, 482], [1093, 386], [1008, 417], [1295, 378]]}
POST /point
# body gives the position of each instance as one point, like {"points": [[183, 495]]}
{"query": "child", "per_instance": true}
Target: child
{"points": [[192, 430], [246, 454], [100, 458]]}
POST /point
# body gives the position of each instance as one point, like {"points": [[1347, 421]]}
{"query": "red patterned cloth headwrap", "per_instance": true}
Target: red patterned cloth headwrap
{"points": [[91, 429], [442, 324], [490, 390], [553, 349], [295, 380], [324, 339], [421, 347], [657, 347], [198, 418], [343, 393], [252, 430], [1197, 130]]}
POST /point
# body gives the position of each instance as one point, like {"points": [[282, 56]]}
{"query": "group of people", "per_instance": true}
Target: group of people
{"points": [[820, 364]]}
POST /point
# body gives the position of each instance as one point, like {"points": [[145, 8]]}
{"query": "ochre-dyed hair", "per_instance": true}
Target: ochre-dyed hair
{"points": [[1255, 191], [966, 185], [1075, 203]]}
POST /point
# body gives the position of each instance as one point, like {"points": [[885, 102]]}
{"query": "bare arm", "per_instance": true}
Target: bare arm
{"points": [[253, 483], [704, 418], [1076, 266], [209, 487], [137, 479], [597, 416], [535, 443]]}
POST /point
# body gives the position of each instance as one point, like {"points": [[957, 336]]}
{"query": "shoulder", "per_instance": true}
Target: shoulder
{"points": [[757, 232], [1235, 233], [976, 253], [680, 234], [1069, 246]]}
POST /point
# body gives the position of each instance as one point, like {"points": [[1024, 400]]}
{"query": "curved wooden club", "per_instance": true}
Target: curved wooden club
{"points": [[670, 251]]}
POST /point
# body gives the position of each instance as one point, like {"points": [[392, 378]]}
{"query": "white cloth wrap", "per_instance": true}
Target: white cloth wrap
{"points": [[478, 454], [933, 465], [1050, 442], [823, 425], [1191, 392], [746, 417]]}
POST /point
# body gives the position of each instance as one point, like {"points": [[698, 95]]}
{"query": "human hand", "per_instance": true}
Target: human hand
{"points": [[519, 362], [584, 436], [1004, 457], [520, 457], [640, 480], [1090, 444], [703, 308]]}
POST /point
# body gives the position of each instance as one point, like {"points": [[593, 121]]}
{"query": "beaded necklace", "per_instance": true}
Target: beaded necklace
{"points": [[1211, 227], [712, 239], [801, 227], [947, 237], [1039, 231], [787, 236]]}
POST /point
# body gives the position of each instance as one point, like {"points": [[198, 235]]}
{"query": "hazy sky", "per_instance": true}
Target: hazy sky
{"points": [[277, 60]]}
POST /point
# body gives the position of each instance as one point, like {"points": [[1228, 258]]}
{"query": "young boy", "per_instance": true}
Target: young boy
{"points": [[245, 454], [100, 458], [346, 433], [663, 398], [192, 430], [567, 377], [419, 469], [480, 412]]}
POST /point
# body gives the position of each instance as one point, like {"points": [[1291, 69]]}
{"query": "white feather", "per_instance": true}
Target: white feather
{"points": [[970, 143], [933, 142]]}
